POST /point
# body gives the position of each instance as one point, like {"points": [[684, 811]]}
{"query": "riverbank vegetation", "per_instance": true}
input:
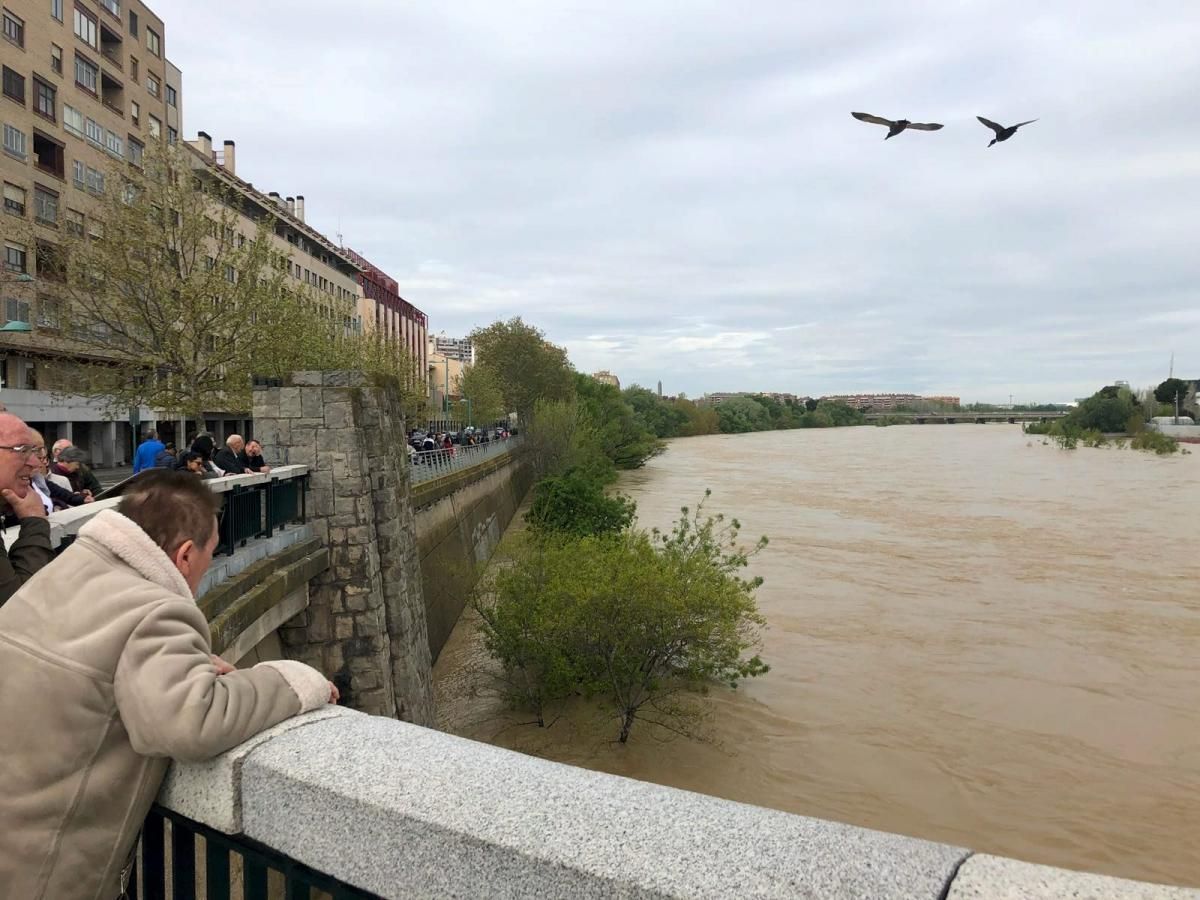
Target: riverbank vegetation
{"points": [[643, 622], [1110, 417]]}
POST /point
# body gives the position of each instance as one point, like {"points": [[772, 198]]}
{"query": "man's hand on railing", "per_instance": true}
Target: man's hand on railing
{"points": [[334, 694]]}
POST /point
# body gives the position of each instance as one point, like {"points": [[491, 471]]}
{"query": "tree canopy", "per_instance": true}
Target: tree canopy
{"points": [[523, 364]]}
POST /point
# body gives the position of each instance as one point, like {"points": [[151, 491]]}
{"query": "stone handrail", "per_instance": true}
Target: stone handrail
{"points": [[66, 523], [401, 811]]}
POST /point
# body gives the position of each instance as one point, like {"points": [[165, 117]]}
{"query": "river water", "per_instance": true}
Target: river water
{"points": [[974, 638]]}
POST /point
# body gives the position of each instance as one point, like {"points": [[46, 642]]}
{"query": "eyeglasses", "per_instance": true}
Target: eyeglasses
{"points": [[27, 450]]}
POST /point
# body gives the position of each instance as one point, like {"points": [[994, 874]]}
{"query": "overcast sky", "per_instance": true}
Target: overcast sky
{"points": [[677, 191]]}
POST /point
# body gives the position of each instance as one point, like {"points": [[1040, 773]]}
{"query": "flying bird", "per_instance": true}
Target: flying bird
{"points": [[1002, 133], [894, 128]]}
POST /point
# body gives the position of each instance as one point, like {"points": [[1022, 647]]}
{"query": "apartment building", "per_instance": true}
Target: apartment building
{"points": [[458, 349], [606, 377], [384, 311], [315, 264], [83, 82]]}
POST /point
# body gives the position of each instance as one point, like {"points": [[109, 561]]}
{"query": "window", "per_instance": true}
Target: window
{"points": [[209, 263], [155, 127], [14, 199], [172, 135], [14, 29], [136, 151], [85, 27], [15, 258], [45, 205], [75, 222], [79, 173], [56, 58], [135, 112], [48, 155], [114, 144], [133, 23], [14, 85], [16, 311], [231, 274], [172, 96], [87, 75], [72, 120], [152, 84], [43, 99], [56, 9], [133, 68], [153, 42], [95, 181], [14, 142], [95, 133], [113, 6], [48, 311]]}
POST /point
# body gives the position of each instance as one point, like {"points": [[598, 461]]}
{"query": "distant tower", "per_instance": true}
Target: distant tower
{"points": [[660, 390]]}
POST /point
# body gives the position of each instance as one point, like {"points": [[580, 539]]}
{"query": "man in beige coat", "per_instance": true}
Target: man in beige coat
{"points": [[107, 675]]}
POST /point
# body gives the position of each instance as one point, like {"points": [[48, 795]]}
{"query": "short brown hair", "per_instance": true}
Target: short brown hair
{"points": [[171, 507]]}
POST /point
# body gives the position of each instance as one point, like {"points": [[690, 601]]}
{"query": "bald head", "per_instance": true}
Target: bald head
{"points": [[235, 443], [59, 446]]}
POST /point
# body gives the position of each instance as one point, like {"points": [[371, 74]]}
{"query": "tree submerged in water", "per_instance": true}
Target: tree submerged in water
{"points": [[647, 622]]}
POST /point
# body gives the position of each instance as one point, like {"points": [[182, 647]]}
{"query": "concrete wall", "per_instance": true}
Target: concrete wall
{"points": [[459, 520], [404, 811]]}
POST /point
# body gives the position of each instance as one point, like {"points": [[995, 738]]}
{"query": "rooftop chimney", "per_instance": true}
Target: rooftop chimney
{"points": [[300, 207], [230, 158], [205, 141], [275, 198], [291, 204]]}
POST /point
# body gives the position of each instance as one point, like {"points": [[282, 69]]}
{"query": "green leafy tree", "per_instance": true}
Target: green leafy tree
{"points": [[574, 504], [1170, 389], [699, 419], [480, 385], [623, 436], [663, 418], [1108, 410], [645, 621], [523, 364], [561, 436], [739, 415], [165, 300]]}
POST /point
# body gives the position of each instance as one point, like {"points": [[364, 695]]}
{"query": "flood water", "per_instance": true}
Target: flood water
{"points": [[974, 638]]}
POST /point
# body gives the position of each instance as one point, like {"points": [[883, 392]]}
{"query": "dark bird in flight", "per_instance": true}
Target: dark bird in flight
{"points": [[1002, 133], [894, 128]]}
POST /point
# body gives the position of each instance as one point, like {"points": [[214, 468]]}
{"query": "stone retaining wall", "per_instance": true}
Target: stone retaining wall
{"points": [[459, 521]]}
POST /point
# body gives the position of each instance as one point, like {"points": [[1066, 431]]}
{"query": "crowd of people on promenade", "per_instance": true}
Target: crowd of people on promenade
{"points": [[107, 660], [434, 445], [237, 457]]}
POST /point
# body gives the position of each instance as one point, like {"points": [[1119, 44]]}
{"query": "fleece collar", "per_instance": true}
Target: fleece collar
{"points": [[125, 538]]}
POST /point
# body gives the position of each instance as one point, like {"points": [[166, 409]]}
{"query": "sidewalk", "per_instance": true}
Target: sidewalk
{"points": [[109, 477]]}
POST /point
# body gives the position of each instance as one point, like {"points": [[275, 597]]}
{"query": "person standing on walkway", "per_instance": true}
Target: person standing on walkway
{"points": [[146, 454], [108, 675]]}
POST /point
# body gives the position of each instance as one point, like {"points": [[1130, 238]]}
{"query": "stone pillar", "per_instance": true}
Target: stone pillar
{"points": [[110, 452], [365, 625]]}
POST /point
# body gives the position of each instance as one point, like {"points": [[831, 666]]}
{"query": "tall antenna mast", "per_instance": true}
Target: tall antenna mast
{"points": [[1171, 374]]}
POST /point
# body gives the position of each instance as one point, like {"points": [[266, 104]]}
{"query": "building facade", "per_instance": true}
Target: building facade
{"points": [[891, 402], [458, 349], [385, 312], [84, 82], [606, 377]]}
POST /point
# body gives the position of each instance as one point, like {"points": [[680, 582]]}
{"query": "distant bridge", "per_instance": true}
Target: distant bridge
{"points": [[971, 418]]}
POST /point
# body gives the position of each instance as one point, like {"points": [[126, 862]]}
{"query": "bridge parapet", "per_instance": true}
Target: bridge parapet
{"points": [[358, 803]]}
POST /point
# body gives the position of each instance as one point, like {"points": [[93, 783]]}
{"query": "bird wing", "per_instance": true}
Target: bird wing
{"points": [[990, 124], [925, 126], [874, 120], [1019, 124]]}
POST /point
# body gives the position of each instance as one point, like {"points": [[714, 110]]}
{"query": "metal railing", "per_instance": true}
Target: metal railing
{"points": [[156, 879], [430, 464]]}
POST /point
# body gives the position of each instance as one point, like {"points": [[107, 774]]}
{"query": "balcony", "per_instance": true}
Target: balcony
{"points": [[112, 94], [49, 156], [111, 47]]}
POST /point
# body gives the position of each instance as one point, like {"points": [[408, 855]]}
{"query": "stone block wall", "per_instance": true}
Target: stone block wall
{"points": [[365, 625]]}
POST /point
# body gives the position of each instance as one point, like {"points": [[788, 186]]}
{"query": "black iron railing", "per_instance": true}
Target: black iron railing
{"points": [[241, 518], [175, 875], [286, 502]]}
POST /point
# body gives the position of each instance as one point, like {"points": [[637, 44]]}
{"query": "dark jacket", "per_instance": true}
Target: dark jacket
{"points": [[29, 553], [251, 463], [76, 478], [62, 497], [89, 480], [164, 460], [228, 461]]}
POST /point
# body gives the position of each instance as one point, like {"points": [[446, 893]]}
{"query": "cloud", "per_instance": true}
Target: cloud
{"points": [[685, 197]]}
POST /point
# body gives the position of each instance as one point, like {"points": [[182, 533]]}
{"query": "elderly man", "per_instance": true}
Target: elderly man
{"points": [[108, 674], [90, 482], [20, 460], [147, 452], [227, 459]]}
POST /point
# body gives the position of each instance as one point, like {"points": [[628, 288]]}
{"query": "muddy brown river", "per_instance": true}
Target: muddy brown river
{"points": [[974, 638]]}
